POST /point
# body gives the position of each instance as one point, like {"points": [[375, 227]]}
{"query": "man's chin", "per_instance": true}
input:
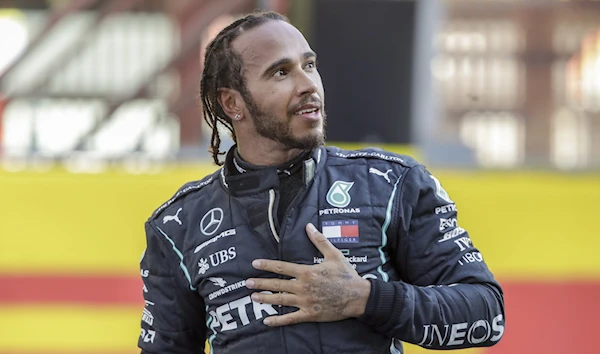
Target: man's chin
{"points": [[311, 141]]}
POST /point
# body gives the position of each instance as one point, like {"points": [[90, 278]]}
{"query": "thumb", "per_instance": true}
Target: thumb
{"points": [[326, 248]]}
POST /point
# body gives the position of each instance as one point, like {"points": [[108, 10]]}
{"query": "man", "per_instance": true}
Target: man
{"points": [[292, 247]]}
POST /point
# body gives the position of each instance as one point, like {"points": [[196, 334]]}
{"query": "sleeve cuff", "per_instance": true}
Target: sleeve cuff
{"points": [[384, 304]]}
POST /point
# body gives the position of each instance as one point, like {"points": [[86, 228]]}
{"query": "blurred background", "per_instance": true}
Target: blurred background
{"points": [[100, 123]]}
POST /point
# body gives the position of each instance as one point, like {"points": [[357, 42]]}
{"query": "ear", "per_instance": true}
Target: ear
{"points": [[231, 102]]}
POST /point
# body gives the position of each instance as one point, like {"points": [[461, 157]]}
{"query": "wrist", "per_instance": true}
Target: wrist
{"points": [[358, 304]]}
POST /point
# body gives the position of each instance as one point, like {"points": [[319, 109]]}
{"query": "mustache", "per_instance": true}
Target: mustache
{"points": [[308, 99]]}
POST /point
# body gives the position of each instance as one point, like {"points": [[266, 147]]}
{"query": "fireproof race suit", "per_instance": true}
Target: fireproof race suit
{"points": [[391, 218]]}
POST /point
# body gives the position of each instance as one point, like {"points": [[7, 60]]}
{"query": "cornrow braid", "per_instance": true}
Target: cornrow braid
{"points": [[223, 67]]}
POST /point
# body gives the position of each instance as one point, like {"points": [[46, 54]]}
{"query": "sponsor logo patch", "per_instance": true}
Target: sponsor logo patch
{"points": [[225, 288], [455, 334], [211, 221], [225, 233], [452, 234], [470, 257], [335, 211], [222, 256], [445, 209], [351, 259], [464, 243], [340, 231], [239, 313], [338, 195], [375, 171], [147, 317], [218, 281], [203, 266], [148, 335], [446, 224], [175, 217]]}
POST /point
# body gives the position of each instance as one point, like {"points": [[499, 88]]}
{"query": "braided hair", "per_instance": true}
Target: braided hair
{"points": [[223, 67]]}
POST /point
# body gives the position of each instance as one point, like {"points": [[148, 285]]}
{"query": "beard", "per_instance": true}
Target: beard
{"points": [[274, 128]]}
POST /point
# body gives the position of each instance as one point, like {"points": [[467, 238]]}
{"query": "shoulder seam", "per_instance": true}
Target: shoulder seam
{"points": [[377, 154], [183, 191]]}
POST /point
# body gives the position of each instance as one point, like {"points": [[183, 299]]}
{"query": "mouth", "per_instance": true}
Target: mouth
{"points": [[310, 111]]}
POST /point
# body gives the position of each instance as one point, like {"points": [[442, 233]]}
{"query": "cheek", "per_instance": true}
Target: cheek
{"points": [[274, 104], [277, 102], [273, 100]]}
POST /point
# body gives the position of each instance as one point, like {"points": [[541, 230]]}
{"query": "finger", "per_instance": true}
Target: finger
{"points": [[287, 286], [277, 299], [327, 249], [286, 320], [279, 267]]}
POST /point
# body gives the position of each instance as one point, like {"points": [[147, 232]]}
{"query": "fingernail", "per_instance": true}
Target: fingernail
{"points": [[312, 227], [267, 321], [256, 264], [249, 283], [255, 297]]}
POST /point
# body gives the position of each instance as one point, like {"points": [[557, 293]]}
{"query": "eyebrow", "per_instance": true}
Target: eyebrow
{"points": [[286, 61]]}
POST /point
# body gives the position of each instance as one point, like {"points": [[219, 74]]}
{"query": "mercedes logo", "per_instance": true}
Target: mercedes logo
{"points": [[211, 221]]}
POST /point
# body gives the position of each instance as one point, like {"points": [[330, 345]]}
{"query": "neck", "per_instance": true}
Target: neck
{"points": [[266, 153]]}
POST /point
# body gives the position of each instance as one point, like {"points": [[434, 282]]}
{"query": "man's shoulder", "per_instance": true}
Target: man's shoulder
{"points": [[186, 191], [369, 153]]}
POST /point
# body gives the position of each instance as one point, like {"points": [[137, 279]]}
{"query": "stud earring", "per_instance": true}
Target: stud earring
{"points": [[237, 116]]}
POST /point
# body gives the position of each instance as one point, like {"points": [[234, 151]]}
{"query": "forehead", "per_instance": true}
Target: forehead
{"points": [[269, 42]]}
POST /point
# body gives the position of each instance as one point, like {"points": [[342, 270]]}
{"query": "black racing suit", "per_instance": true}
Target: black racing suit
{"points": [[388, 215]]}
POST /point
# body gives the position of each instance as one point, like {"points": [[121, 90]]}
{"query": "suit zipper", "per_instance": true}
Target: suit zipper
{"points": [[292, 205], [282, 225], [271, 220]]}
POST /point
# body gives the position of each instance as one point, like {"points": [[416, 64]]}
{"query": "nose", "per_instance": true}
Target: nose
{"points": [[307, 84]]}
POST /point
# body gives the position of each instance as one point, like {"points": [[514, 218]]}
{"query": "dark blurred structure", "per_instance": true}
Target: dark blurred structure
{"points": [[516, 81], [365, 53], [474, 83], [170, 73]]}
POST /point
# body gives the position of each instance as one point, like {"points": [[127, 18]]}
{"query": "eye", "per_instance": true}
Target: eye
{"points": [[280, 73], [311, 65]]}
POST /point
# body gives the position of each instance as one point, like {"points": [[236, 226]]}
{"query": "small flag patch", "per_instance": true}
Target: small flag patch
{"points": [[341, 231]]}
